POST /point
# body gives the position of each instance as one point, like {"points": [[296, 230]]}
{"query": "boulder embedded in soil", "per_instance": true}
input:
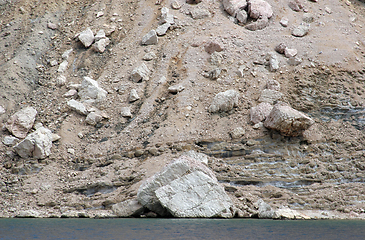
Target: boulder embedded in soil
{"points": [[224, 101], [260, 112], [21, 122]]}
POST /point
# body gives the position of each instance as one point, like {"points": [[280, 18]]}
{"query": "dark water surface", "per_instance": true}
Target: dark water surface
{"points": [[179, 229]]}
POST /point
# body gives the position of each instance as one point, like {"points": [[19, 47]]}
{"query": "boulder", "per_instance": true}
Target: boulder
{"points": [[288, 121], [90, 90], [270, 96], [287, 213], [232, 7], [21, 122], [100, 45], [93, 118], [133, 95], [213, 47], [260, 112], [162, 29], [224, 101], [259, 9], [200, 13], [150, 38], [10, 140], [86, 37], [37, 144], [264, 210], [140, 73], [128, 208], [195, 195], [77, 106], [176, 169]]}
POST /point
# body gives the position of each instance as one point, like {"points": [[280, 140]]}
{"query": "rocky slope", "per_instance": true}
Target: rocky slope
{"points": [[142, 118]]}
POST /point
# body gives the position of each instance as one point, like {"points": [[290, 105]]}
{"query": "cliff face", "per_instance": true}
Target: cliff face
{"points": [[149, 96]]}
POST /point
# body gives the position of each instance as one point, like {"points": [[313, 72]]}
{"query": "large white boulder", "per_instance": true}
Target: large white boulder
{"points": [[37, 144], [195, 195], [90, 90], [224, 101], [21, 122]]}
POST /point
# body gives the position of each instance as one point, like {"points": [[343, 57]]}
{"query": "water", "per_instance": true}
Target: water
{"points": [[171, 229]]}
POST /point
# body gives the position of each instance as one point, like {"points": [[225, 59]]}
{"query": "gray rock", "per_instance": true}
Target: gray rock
{"points": [[166, 17], [214, 74], [175, 5], [295, 5], [70, 93], [300, 31], [100, 45], [140, 73], [224, 101], [216, 58], [28, 214], [126, 112], [259, 9], [77, 106], [176, 88], [93, 118], [149, 56], [90, 91], [287, 213], [133, 95], [37, 144], [128, 208], [308, 17], [212, 47], [284, 22], [150, 38], [66, 54], [2, 110], [237, 132], [273, 61], [10, 140], [295, 61], [195, 195], [162, 29], [260, 112], [232, 7], [288, 121], [52, 26], [86, 37], [260, 24], [100, 35], [62, 67], [21, 122], [242, 16], [61, 80], [199, 13], [197, 156], [270, 96], [280, 48], [289, 52], [264, 210], [273, 85]]}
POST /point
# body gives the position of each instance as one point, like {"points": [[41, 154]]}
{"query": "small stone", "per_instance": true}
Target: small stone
{"points": [[140, 73], [162, 29], [99, 14], [52, 26], [175, 5], [300, 31], [77, 106], [21, 122], [273, 61], [260, 24], [216, 58], [93, 118], [198, 13], [214, 74], [86, 37], [10, 141], [237, 133], [100, 45], [295, 61], [66, 54], [233, 7], [260, 112], [280, 48], [61, 80], [149, 56], [71, 151], [289, 53], [295, 5], [2, 110], [175, 89], [166, 17], [90, 91], [63, 66], [80, 135], [242, 17], [150, 38], [224, 101], [100, 35], [55, 137], [273, 85], [213, 47], [328, 10], [53, 63], [284, 22], [308, 18], [126, 112], [133, 95], [70, 93], [258, 125], [259, 9]]}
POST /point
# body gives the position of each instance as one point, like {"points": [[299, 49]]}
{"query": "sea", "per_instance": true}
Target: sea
{"points": [[189, 229]]}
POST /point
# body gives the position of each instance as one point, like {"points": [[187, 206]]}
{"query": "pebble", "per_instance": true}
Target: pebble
{"points": [[290, 52], [149, 56], [175, 5], [150, 38], [133, 95], [284, 22], [71, 151], [52, 26], [86, 37], [280, 48], [126, 112], [300, 31], [2, 110]]}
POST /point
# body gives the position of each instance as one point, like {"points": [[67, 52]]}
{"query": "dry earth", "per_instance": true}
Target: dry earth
{"points": [[93, 167]]}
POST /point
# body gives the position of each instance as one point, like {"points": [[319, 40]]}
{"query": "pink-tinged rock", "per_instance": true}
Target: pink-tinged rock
{"points": [[259, 9], [260, 112], [232, 7], [288, 121], [212, 47], [21, 122]]}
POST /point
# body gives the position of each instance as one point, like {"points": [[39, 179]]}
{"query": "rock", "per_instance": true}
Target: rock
{"points": [[140, 73], [28, 214], [21, 122], [264, 210], [70, 93], [37, 144], [193, 1], [289, 53], [2, 110], [224, 101], [216, 58], [62, 67], [259, 9], [273, 85], [53, 63], [260, 24], [328, 10], [197, 156], [270, 96], [61, 80], [260, 112], [232, 7], [284, 22], [308, 18], [162, 29], [280, 48], [66, 54], [90, 91], [128, 208], [133, 95], [287, 213], [10, 141], [52, 26], [100, 35], [300, 31], [176, 169], [242, 16], [295, 61], [273, 61], [258, 125], [176, 88], [195, 195], [166, 17], [150, 38], [295, 5], [213, 47], [77, 106], [93, 118], [99, 14], [100, 45], [198, 13], [237, 133], [86, 37], [149, 56], [288, 121], [175, 5], [55, 137], [126, 112], [214, 74], [313, 134]]}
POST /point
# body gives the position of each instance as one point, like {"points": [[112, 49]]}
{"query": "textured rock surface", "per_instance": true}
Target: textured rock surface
{"points": [[259, 9], [86, 37], [21, 122], [140, 73], [270, 96], [90, 90], [260, 112], [77, 106], [150, 38], [128, 208], [234, 6], [224, 101]]}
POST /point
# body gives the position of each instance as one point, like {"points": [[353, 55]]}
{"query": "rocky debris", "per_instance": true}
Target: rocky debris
{"points": [[289, 52], [216, 58], [162, 29], [237, 133], [166, 17], [150, 38], [197, 156], [93, 118], [21, 122], [200, 13], [175, 5], [308, 18], [149, 56], [176, 88], [232, 7], [287, 213], [295, 5], [62, 67], [140, 73], [215, 73], [2, 110], [213, 47], [128, 208], [77, 106], [260, 112], [52, 26], [90, 91], [10, 140], [224, 101], [295, 61], [86, 37], [126, 112], [284, 22], [133, 95], [100, 45], [300, 31], [264, 210], [259, 9], [260, 24], [273, 85], [270, 96], [288, 121], [195, 195], [273, 61], [70, 93], [100, 35], [176, 169], [61, 80], [37, 144]]}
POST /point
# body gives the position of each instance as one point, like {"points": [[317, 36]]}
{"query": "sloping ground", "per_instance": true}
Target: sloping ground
{"points": [[107, 163]]}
